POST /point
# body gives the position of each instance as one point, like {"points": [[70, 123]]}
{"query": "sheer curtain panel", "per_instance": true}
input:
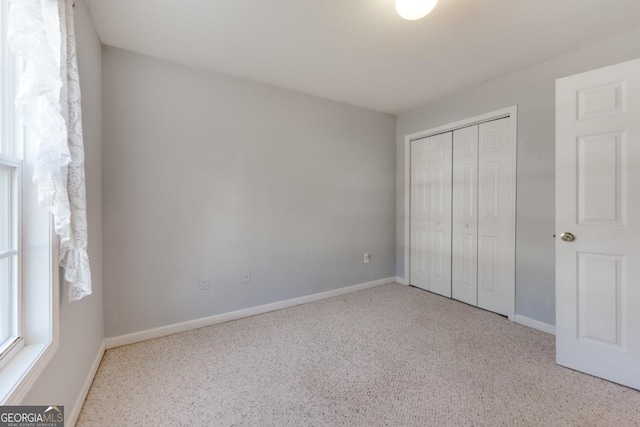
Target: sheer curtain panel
{"points": [[48, 100]]}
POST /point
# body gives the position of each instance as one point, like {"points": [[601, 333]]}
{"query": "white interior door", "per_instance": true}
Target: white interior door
{"points": [[496, 207], [419, 213], [598, 204], [440, 181], [465, 216]]}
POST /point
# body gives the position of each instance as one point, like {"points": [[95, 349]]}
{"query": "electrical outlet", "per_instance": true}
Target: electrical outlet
{"points": [[203, 284], [246, 278], [367, 257]]}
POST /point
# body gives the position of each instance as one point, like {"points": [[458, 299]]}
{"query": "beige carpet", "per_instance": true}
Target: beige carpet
{"points": [[388, 356]]}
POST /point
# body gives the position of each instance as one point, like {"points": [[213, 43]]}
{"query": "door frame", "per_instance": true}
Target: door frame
{"points": [[511, 112]]}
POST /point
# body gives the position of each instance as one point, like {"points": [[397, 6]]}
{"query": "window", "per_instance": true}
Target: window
{"points": [[10, 257], [10, 207], [28, 248]]}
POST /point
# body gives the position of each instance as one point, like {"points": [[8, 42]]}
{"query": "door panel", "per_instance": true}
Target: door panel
{"points": [[419, 213], [440, 177], [436, 257], [601, 183], [465, 215], [598, 201], [601, 283], [496, 273]]}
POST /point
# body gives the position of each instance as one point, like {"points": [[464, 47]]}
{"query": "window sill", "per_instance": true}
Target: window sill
{"points": [[17, 377]]}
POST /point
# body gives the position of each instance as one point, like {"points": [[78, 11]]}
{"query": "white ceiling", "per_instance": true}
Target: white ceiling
{"points": [[360, 51]]}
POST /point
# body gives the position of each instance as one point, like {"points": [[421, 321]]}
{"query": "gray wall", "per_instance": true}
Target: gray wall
{"points": [[81, 325], [533, 89], [209, 175]]}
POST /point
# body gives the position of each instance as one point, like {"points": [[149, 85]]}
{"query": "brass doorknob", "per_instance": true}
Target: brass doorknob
{"points": [[567, 237]]}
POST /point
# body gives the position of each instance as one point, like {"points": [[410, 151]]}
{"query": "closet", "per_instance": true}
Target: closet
{"points": [[462, 226]]}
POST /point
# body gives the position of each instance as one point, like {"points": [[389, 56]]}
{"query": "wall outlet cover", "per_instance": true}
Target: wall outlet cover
{"points": [[203, 283]]}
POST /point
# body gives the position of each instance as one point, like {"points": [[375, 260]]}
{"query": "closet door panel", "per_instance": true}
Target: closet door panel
{"points": [[495, 205], [465, 215], [419, 213], [440, 181]]}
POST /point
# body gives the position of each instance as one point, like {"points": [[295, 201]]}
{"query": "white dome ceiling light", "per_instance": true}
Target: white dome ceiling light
{"points": [[415, 9]]}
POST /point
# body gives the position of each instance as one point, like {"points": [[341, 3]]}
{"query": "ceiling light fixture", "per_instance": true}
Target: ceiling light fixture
{"points": [[414, 9]]}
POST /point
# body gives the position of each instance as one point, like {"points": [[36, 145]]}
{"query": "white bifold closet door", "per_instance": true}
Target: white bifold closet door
{"points": [[440, 164], [462, 209], [465, 215], [420, 213], [431, 175], [483, 261], [496, 244]]}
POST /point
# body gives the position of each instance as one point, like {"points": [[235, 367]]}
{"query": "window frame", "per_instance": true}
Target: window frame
{"points": [[10, 349], [38, 244]]}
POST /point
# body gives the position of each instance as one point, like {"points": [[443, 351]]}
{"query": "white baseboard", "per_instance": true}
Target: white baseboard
{"points": [[535, 324], [234, 315], [75, 413], [401, 280]]}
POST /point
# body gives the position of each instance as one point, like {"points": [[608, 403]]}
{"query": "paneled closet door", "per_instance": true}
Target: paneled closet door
{"points": [[420, 213], [495, 205], [440, 181], [465, 215]]}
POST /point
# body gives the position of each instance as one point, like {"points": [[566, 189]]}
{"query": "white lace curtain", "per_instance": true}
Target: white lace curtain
{"points": [[42, 32]]}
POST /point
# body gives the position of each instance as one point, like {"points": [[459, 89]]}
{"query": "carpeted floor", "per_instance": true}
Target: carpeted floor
{"points": [[387, 356]]}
